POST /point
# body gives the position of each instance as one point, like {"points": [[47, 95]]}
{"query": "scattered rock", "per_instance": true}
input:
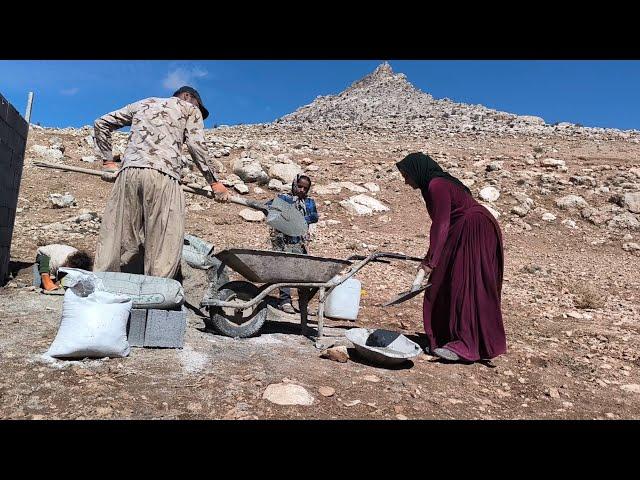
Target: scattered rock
{"points": [[363, 205], [278, 185], [520, 210], [352, 187], [632, 387], [62, 201], [583, 180], [553, 393], [631, 201], [371, 378], [571, 201], [287, 394], [548, 217], [372, 187], [337, 354], [631, 247], [352, 403], [48, 154], [251, 215], [494, 166], [489, 194], [327, 391], [331, 189], [552, 162], [241, 188], [89, 159], [623, 221]]}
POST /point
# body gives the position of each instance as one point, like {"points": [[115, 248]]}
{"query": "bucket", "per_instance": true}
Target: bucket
{"points": [[344, 301]]}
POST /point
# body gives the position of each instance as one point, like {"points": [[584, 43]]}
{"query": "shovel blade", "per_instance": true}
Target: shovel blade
{"points": [[286, 218], [404, 296]]}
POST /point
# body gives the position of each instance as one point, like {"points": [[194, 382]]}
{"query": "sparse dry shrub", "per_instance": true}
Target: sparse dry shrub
{"points": [[588, 296]]}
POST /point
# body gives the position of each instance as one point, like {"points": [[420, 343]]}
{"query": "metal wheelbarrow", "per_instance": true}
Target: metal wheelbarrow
{"points": [[238, 308]]}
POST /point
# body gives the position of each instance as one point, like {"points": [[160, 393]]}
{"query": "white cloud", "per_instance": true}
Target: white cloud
{"points": [[69, 91], [182, 76]]}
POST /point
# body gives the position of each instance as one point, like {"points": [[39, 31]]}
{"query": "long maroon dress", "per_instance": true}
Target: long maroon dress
{"points": [[461, 309]]}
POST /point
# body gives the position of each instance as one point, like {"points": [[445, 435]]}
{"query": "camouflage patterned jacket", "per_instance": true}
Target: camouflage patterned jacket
{"points": [[159, 127]]}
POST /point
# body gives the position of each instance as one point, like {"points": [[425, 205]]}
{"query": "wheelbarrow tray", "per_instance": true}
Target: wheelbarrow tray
{"points": [[267, 266]]}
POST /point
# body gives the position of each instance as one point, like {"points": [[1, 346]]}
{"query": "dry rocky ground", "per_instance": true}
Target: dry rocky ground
{"points": [[568, 204]]}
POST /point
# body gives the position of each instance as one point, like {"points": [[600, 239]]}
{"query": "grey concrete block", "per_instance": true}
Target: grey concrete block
{"points": [[166, 328], [136, 327]]}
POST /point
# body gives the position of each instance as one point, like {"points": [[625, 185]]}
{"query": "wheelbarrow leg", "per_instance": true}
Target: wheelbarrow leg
{"points": [[303, 302], [321, 300]]}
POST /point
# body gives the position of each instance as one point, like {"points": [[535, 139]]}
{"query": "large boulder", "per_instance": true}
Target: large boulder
{"points": [[250, 170], [48, 154], [571, 201], [624, 221], [631, 201], [363, 205], [285, 172]]}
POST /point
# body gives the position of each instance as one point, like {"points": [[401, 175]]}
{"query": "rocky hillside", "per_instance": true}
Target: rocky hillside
{"points": [[384, 101]]}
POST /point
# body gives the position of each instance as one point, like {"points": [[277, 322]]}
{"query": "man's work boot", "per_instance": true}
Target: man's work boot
{"points": [[47, 283]]}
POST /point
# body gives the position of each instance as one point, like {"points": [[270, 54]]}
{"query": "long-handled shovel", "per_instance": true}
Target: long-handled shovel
{"points": [[416, 288], [282, 216]]}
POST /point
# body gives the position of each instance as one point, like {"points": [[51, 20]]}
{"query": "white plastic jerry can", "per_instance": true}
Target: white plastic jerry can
{"points": [[344, 300]]}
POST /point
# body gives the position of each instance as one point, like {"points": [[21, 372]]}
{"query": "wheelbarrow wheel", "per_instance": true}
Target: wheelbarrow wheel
{"points": [[241, 323]]}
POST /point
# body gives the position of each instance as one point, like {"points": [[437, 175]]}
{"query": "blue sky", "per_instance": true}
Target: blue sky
{"points": [[75, 92]]}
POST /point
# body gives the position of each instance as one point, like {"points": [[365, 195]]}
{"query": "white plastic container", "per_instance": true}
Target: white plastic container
{"points": [[344, 301]]}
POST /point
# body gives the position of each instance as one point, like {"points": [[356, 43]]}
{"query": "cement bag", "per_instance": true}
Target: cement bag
{"points": [[92, 326], [197, 253], [81, 281], [145, 291]]}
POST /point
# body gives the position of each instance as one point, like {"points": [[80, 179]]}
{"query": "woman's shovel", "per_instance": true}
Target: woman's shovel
{"points": [[416, 288]]}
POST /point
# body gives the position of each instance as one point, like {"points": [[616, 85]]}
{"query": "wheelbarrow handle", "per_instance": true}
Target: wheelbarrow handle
{"points": [[376, 257], [362, 257]]}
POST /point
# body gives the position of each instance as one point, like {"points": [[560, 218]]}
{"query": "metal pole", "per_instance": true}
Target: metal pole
{"points": [[27, 116]]}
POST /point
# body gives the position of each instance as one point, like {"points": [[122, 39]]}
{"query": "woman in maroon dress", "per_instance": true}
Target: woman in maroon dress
{"points": [[461, 313]]}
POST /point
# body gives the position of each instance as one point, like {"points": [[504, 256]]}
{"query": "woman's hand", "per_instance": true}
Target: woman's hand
{"points": [[427, 269]]}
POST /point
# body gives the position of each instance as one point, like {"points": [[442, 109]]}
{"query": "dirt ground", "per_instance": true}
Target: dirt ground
{"points": [[570, 306]]}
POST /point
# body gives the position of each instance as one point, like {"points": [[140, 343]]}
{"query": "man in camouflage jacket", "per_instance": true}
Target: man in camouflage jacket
{"points": [[143, 220]]}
